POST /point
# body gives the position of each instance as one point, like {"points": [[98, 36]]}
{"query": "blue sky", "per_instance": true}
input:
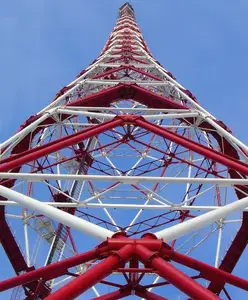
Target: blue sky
{"points": [[44, 44]]}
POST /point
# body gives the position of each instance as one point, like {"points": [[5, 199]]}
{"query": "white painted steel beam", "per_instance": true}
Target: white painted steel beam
{"points": [[124, 179], [171, 116], [22, 133], [67, 219], [111, 116], [86, 113], [178, 230], [140, 83], [125, 206], [126, 109], [225, 133]]}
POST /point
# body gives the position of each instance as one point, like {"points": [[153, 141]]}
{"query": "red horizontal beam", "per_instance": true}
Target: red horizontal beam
{"points": [[11, 248], [135, 270]]}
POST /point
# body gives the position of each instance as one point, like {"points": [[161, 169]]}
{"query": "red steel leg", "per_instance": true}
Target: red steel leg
{"points": [[50, 271], [176, 277], [208, 272], [82, 283]]}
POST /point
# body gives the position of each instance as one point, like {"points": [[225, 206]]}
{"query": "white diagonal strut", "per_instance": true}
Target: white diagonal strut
{"points": [[59, 215], [174, 232]]}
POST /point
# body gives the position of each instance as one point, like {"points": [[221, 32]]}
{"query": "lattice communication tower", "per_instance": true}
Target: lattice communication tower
{"points": [[126, 156]]}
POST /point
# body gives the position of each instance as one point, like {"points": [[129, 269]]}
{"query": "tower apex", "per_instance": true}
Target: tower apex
{"points": [[126, 10]]}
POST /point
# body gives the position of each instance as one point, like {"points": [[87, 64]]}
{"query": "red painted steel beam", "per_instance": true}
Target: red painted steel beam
{"points": [[118, 243], [61, 142], [142, 292], [140, 71], [109, 72], [135, 270], [153, 100], [114, 284], [198, 148], [176, 277], [101, 98], [208, 272], [15, 255], [240, 242], [11, 248], [121, 293], [58, 144], [233, 254], [94, 275], [126, 91], [51, 271]]}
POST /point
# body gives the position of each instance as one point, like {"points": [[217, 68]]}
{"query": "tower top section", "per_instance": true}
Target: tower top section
{"points": [[126, 10]]}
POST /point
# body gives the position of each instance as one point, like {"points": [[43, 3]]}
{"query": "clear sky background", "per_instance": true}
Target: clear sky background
{"points": [[45, 43]]}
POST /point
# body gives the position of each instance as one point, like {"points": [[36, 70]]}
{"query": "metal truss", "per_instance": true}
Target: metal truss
{"points": [[125, 155]]}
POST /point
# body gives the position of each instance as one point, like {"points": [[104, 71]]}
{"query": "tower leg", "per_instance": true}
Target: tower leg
{"points": [[82, 283], [207, 271], [176, 277], [48, 272]]}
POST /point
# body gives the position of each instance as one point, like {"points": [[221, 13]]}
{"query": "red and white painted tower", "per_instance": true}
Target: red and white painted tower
{"points": [[123, 186]]}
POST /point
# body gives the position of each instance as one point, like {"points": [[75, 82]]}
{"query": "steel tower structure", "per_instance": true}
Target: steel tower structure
{"points": [[126, 156]]}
